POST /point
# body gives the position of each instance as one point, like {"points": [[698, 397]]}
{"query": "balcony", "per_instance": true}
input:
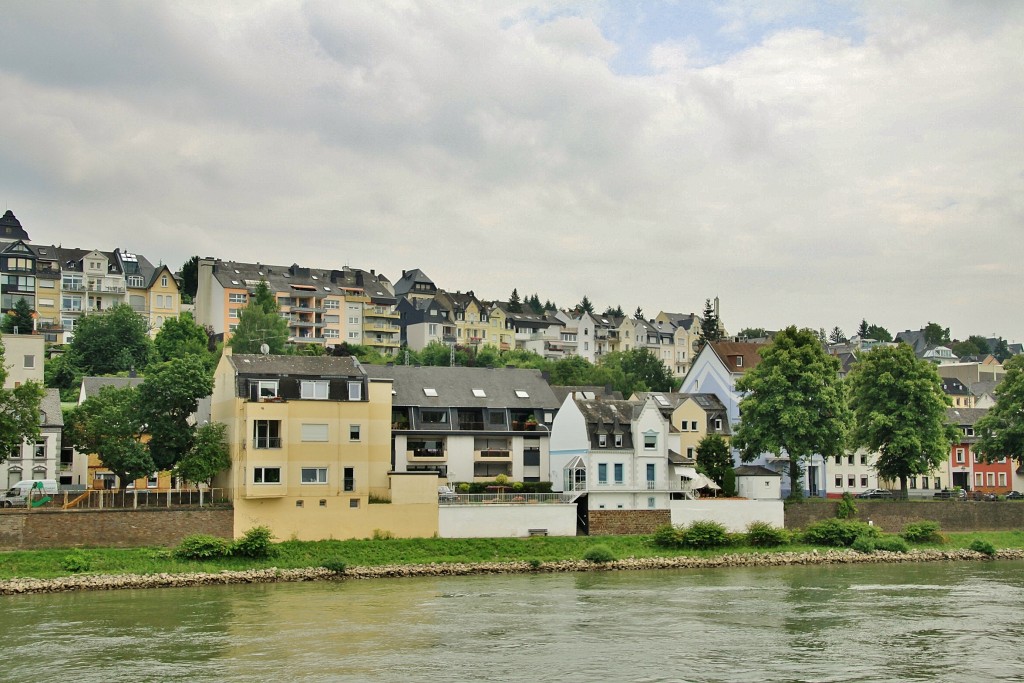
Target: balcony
{"points": [[489, 453], [266, 442], [105, 289], [426, 453], [387, 343], [370, 326], [73, 286]]}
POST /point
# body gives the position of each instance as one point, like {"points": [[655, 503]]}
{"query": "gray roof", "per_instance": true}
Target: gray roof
{"points": [[755, 471], [964, 416], [982, 388], [232, 274], [951, 385], [303, 366], [561, 392], [50, 407], [597, 411], [92, 385], [454, 386], [10, 227], [409, 279]]}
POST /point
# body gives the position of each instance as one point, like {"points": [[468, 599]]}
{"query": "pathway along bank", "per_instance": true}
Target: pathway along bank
{"points": [[82, 582]]}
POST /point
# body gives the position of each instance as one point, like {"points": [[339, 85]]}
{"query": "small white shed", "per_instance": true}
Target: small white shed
{"points": [[757, 482]]}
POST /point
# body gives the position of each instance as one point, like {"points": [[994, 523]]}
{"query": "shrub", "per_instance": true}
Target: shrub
{"points": [[463, 487], [764, 535], [257, 542], [846, 508], [838, 532], [501, 480], [891, 544], [983, 547], [863, 544], [599, 554], [669, 536], [382, 535], [922, 532], [705, 534], [335, 565], [203, 547], [76, 561], [535, 563], [517, 486]]}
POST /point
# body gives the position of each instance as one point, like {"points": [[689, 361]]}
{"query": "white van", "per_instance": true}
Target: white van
{"points": [[16, 496]]}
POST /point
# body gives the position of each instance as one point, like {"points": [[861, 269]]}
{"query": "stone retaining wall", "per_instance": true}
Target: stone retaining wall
{"points": [[42, 529], [613, 522], [892, 515]]}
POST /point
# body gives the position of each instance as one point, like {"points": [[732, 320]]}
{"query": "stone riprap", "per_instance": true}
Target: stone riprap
{"points": [[272, 575]]}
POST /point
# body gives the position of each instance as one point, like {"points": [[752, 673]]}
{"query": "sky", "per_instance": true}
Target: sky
{"points": [[808, 163]]}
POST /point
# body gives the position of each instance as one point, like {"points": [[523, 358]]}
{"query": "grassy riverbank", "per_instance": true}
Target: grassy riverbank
{"points": [[48, 564]]}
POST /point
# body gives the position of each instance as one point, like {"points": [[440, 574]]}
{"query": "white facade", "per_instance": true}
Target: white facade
{"points": [[498, 521]]}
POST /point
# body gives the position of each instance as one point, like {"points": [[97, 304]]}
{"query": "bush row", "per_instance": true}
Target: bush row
{"points": [[256, 543]]}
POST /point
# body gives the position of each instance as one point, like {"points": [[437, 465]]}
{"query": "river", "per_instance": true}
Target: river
{"points": [[911, 622]]}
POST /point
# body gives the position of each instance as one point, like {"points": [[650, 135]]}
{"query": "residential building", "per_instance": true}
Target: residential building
{"points": [[40, 459], [971, 373], [415, 285], [310, 450], [959, 394], [851, 473], [756, 482], [965, 468], [469, 315], [469, 424], [152, 291], [87, 468], [423, 322], [685, 328], [322, 307]]}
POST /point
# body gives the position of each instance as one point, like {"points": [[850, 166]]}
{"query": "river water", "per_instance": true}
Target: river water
{"points": [[920, 622]]}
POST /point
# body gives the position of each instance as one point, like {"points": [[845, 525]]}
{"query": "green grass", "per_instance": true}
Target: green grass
{"points": [[45, 564]]}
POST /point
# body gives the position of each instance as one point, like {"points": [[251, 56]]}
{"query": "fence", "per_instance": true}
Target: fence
{"points": [[508, 498], [132, 499]]}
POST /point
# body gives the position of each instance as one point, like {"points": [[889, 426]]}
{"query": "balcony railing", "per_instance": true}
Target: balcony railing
{"points": [[426, 453], [494, 453], [266, 442], [73, 286], [507, 498]]}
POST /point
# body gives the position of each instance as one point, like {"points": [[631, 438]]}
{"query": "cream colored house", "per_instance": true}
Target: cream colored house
{"points": [[310, 441]]}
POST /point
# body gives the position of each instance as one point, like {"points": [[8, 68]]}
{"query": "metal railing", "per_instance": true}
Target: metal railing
{"points": [[506, 498], [132, 499]]}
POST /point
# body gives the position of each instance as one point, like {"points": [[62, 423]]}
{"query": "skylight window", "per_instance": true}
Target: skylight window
{"points": [[521, 394], [427, 391], [662, 401], [479, 393]]}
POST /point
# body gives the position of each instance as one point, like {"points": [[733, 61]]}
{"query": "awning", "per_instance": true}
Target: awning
{"points": [[697, 480]]}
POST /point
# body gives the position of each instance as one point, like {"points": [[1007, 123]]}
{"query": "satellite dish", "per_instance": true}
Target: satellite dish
{"points": [[264, 349]]}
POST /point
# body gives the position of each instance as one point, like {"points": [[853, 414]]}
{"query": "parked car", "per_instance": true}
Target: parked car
{"points": [[875, 493], [959, 494], [978, 495], [1015, 495], [446, 493]]}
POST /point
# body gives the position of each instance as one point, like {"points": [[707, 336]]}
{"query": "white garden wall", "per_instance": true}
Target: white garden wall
{"points": [[493, 521], [735, 515]]}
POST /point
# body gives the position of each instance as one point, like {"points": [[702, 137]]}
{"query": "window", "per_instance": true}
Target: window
{"points": [[618, 440], [496, 418], [650, 472], [602, 473], [851, 481], [353, 502], [266, 475], [332, 304], [913, 482], [839, 481], [314, 389], [266, 433], [353, 432], [430, 392], [969, 431], [618, 473], [355, 391], [602, 440], [433, 416], [718, 425], [521, 394], [233, 313], [991, 477], [236, 298], [863, 458], [650, 442], [650, 502], [979, 479], [839, 460], [693, 426], [1002, 478], [924, 482], [849, 460], [40, 449], [479, 393], [315, 432], [689, 453], [30, 361], [938, 483], [331, 334], [349, 481], [864, 481], [960, 455], [163, 281], [314, 475], [266, 388]]}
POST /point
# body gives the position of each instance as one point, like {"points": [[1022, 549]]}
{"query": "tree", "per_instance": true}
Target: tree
{"points": [[879, 333], [536, 306], [862, 330], [1001, 430], [1001, 350], [710, 329], [638, 314], [752, 333], [108, 425], [795, 404], [60, 372], [190, 278], [936, 335], [585, 305], [208, 456], [515, 304], [19, 412], [260, 323], [639, 369], [20, 319], [614, 311], [714, 458], [836, 336], [899, 412], [183, 337], [113, 341], [167, 398]]}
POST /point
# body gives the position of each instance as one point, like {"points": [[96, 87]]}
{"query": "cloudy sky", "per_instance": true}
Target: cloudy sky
{"points": [[808, 163]]}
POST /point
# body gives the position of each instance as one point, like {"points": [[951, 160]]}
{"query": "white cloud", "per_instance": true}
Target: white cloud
{"points": [[809, 177]]}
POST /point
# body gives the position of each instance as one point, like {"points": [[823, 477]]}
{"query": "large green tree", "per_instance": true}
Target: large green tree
{"points": [[935, 334], [879, 333], [260, 323], [108, 424], [180, 337], [19, 412], [1001, 430], [715, 460], [60, 372], [900, 413], [710, 325], [641, 370], [794, 404], [208, 456], [167, 398], [190, 278], [20, 319], [116, 340]]}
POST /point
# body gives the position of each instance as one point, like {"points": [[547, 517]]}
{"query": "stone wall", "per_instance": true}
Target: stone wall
{"points": [[610, 522], [892, 516], [41, 529]]}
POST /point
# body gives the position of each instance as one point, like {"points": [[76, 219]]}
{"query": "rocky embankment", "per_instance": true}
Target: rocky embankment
{"points": [[273, 575]]}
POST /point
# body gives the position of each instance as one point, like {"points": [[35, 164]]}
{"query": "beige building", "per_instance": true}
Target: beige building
{"points": [[310, 441]]}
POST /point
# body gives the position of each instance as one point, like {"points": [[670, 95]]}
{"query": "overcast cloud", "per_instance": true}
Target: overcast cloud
{"points": [[812, 164]]}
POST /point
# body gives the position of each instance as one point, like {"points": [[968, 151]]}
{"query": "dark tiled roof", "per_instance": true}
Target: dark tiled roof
{"points": [[50, 405], [954, 387], [597, 411], [755, 471], [964, 416], [561, 392], [93, 385], [10, 227], [232, 274], [454, 387], [729, 351], [300, 366]]}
